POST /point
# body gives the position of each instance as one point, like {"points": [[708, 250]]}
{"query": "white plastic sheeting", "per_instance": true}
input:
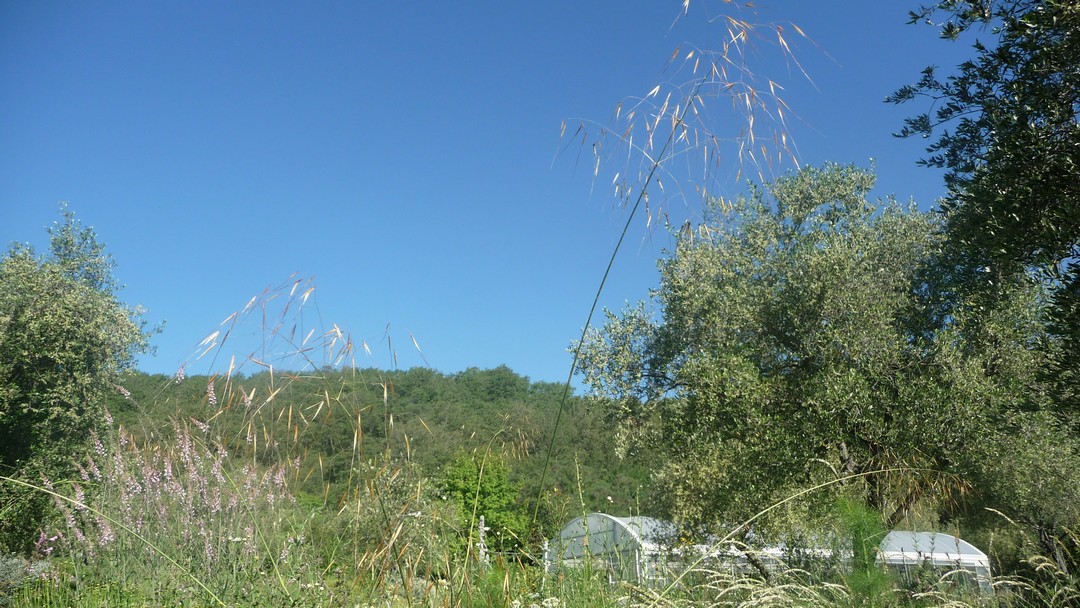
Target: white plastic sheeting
{"points": [[907, 551], [644, 550], [628, 548]]}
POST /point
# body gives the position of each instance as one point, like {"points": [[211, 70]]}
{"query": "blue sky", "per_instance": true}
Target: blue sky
{"points": [[405, 155]]}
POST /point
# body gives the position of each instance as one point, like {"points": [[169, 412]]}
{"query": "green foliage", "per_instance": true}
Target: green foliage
{"points": [[427, 420], [186, 508], [44, 593], [17, 573], [64, 339], [865, 530], [1063, 353], [480, 486], [392, 528], [390, 539], [793, 347], [1007, 134], [1012, 150]]}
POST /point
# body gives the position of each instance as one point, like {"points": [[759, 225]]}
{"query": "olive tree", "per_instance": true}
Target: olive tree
{"points": [[1004, 125], [64, 339], [796, 338]]}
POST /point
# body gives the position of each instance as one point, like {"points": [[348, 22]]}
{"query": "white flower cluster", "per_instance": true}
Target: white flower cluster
{"points": [[536, 602]]}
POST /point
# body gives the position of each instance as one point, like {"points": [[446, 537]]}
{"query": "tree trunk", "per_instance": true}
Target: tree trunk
{"points": [[901, 511], [1052, 546]]}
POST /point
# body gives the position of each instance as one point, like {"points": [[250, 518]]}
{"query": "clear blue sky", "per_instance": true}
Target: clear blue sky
{"points": [[404, 154]]}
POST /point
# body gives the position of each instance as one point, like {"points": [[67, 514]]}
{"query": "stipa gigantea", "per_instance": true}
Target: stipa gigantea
{"points": [[668, 142], [710, 108]]}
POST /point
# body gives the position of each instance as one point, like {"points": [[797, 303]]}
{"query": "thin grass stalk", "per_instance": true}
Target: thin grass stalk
{"points": [[654, 166], [389, 546]]}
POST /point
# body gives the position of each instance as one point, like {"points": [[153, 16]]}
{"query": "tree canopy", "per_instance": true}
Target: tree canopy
{"points": [[791, 345], [64, 339], [1006, 128], [1004, 125]]}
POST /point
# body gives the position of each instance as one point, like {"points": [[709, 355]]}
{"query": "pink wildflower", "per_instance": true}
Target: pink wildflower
{"points": [[215, 470], [94, 470], [80, 498], [210, 553], [202, 426], [107, 535], [99, 448], [43, 547], [215, 500]]}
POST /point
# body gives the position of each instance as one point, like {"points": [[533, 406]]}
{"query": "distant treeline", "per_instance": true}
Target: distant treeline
{"points": [[417, 415]]}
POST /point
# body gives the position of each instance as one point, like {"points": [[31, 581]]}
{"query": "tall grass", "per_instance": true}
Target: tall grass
{"points": [[207, 513], [182, 520]]}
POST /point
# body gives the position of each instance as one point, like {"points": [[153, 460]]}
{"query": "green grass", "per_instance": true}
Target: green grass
{"points": [[217, 508], [391, 544], [207, 513]]}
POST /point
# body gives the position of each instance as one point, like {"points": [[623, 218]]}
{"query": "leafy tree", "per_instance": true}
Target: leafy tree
{"points": [[793, 344], [494, 385], [481, 486], [1005, 127], [64, 339], [1013, 152]]}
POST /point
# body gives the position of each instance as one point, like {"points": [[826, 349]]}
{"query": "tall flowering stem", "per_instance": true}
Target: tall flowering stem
{"points": [[183, 503]]}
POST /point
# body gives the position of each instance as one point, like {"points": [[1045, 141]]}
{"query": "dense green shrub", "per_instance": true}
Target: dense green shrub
{"points": [[64, 339]]}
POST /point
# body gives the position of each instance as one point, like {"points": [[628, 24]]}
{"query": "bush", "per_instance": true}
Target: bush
{"points": [[64, 339]]}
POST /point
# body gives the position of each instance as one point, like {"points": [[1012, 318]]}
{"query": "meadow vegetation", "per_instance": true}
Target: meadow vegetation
{"points": [[813, 364], [339, 486]]}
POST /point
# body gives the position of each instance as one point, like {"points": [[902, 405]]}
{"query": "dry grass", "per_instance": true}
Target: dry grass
{"points": [[385, 541]]}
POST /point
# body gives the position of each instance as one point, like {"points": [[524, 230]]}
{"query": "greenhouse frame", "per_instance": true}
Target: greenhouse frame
{"points": [[906, 552], [646, 550]]}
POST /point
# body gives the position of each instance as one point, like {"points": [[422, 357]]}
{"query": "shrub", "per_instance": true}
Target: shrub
{"points": [[64, 339]]}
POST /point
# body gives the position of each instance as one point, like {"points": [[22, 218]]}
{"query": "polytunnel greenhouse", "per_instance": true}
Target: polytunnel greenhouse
{"points": [[645, 551], [634, 549], [907, 553]]}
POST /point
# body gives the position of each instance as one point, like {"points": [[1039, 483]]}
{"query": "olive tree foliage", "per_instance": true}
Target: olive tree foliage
{"points": [[64, 339], [1004, 125], [793, 341]]}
